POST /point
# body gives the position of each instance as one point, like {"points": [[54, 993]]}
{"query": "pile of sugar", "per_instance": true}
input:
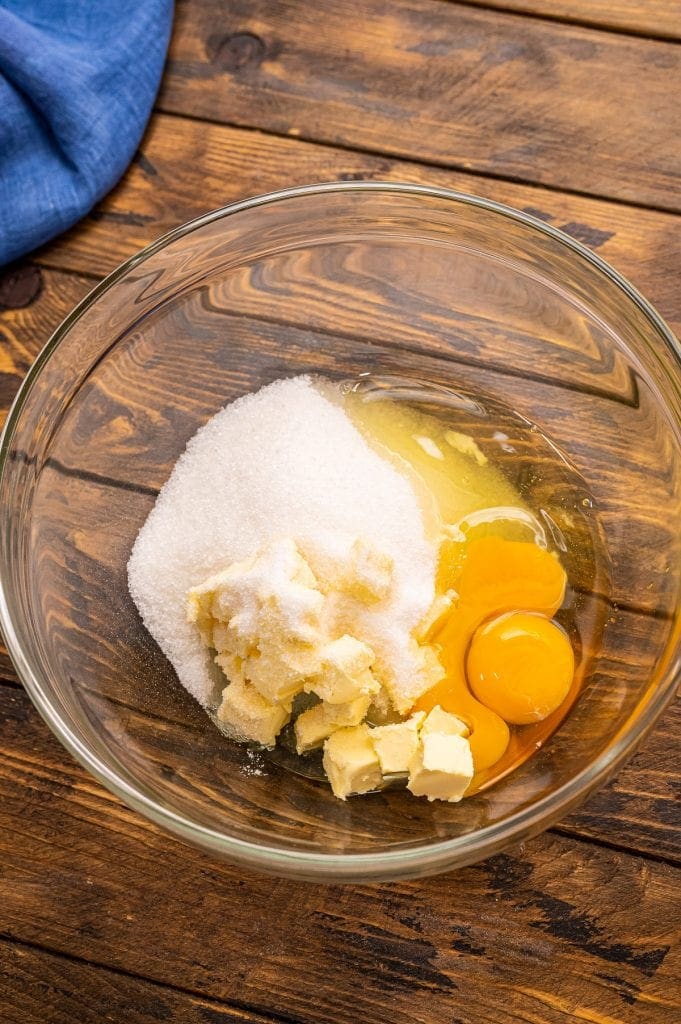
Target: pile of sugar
{"points": [[283, 462]]}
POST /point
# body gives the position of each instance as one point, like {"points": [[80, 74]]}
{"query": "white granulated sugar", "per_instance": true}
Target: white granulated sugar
{"points": [[284, 462]]}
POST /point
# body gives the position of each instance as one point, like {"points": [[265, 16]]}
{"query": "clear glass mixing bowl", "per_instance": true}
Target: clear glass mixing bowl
{"points": [[339, 279]]}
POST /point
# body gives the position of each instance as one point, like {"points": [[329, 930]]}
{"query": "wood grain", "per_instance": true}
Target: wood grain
{"points": [[185, 168], [559, 931], [37, 986], [639, 808], [442, 83], [656, 18], [592, 936], [33, 303]]}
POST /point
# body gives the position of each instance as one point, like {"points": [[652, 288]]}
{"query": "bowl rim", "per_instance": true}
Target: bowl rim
{"points": [[412, 861]]}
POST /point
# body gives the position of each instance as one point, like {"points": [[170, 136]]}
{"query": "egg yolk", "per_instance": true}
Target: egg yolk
{"points": [[500, 679], [500, 575], [520, 666], [489, 733]]}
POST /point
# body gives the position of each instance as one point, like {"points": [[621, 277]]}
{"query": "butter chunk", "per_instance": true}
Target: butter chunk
{"points": [[439, 608], [442, 767], [427, 673], [370, 573], [232, 665], [200, 610], [246, 715], [344, 673], [316, 724], [444, 722], [350, 762], [381, 710], [279, 672], [272, 595], [396, 745]]}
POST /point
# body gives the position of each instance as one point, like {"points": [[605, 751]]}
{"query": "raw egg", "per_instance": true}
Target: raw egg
{"points": [[500, 575], [489, 733], [520, 666]]}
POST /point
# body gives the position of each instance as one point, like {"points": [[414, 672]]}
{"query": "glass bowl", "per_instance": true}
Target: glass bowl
{"points": [[339, 279]]}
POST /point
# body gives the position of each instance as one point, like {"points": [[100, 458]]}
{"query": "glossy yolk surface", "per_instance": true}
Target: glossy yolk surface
{"points": [[490, 576], [520, 665], [500, 575]]}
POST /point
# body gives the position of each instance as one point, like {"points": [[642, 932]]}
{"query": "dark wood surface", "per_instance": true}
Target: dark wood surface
{"points": [[567, 110]]}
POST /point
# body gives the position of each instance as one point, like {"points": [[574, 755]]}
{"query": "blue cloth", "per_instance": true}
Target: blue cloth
{"points": [[77, 82]]}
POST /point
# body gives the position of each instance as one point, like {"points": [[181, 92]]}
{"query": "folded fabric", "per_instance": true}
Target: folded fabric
{"points": [[77, 82]]}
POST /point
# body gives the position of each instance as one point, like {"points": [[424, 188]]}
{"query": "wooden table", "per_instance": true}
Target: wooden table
{"points": [[566, 109]]}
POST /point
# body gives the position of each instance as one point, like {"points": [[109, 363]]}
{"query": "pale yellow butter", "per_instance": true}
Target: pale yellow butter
{"points": [[440, 607], [369, 574], [313, 726], [272, 595], [246, 715], [263, 618], [427, 673], [279, 671], [443, 722], [396, 745], [442, 767], [274, 629], [350, 762], [344, 674]]}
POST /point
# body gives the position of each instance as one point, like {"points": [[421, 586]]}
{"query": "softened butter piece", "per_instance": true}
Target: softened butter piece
{"points": [[279, 671], [427, 674], [263, 618], [381, 710], [273, 595], [369, 574], [316, 724], [344, 673], [396, 745], [246, 715], [232, 665], [444, 722], [442, 767], [350, 762], [440, 607]]}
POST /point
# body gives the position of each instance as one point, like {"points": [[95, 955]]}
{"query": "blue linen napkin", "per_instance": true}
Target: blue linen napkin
{"points": [[77, 82]]}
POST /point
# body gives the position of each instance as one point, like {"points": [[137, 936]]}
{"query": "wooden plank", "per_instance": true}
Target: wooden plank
{"points": [[639, 808], [32, 304], [442, 83], [88, 878], [655, 18], [186, 168], [38, 986], [7, 672]]}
